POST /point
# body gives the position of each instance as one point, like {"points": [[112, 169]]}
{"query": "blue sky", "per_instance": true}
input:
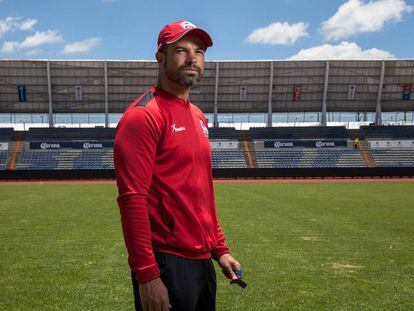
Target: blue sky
{"points": [[241, 30]]}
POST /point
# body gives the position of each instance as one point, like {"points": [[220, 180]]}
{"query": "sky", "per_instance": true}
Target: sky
{"points": [[241, 30]]}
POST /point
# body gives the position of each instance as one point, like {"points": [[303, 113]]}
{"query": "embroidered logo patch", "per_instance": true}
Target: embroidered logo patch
{"points": [[188, 25], [175, 129], [204, 128]]}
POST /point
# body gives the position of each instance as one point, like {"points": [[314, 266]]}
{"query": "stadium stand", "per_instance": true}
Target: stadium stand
{"points": [[305, 147], [94, 159], [5, 138], [310, 157], [103, 159], [39, 134], [228, 159], [69, 156], [392, 145], [38, 160], [229, 148], [225, 133], [65, 159], [393, 157], [387, 132], [225, 148], [6, 134], [3, 160], [311, 132]]}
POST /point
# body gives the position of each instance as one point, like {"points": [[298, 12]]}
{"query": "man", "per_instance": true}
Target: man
{"points": [[163, 167], [356, 143]]}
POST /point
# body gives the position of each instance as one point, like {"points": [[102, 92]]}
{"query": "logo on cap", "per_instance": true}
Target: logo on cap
{"points": [[175, 31], [187, 25]]}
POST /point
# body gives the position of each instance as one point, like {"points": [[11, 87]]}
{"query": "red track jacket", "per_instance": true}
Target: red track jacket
{"points": [[162, 161]]}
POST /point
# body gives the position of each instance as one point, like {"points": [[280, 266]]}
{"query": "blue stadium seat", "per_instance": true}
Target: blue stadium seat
{"points": [[398, 157]]}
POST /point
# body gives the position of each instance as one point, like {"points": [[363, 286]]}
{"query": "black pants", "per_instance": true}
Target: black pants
{"points": [[191, 283]]}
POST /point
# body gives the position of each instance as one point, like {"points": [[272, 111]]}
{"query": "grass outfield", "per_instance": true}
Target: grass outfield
{"points": [[303, 246]]}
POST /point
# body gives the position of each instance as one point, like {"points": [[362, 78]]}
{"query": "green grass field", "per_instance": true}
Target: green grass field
{"points": [[303, 246]]}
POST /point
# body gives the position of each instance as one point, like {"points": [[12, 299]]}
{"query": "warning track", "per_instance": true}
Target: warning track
{"points": [[268, 180]]}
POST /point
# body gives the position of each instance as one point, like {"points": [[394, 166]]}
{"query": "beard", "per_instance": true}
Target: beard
{"points": [[184, 78]]}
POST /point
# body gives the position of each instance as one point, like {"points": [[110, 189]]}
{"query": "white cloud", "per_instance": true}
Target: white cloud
{"points": [[8, 24], [81, 46], [278, 33], [357, 16], [343, 51], [12, 23], [28, 24], [40, 38], [9, 46], [34, 52]]}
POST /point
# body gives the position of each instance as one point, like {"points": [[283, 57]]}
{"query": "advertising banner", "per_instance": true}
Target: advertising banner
{"points": [[78, 93], [224, 144], [376, 144], [4, 146], [194, 90], [21, 90], [243, 92], [351, 91], [71, 145], [296, 92], [49, 145], [305, 143], [406, 94], [93, 144]]}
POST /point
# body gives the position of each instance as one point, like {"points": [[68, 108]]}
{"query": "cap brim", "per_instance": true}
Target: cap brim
{"points": [[202, 34], [198, 32]]}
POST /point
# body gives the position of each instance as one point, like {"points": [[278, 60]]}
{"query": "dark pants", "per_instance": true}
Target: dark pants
{"points": [[191, 283]]}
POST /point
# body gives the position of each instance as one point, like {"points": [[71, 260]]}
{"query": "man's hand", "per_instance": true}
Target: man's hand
{"points": [[228, 265], [154, 296]]}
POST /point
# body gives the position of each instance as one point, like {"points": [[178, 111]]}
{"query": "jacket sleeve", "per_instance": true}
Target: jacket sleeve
{"points": [[221, 246], [136, 141]]}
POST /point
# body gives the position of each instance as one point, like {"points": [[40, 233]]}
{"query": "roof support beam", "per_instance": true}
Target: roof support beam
{"points": [[325, 94], [106, 93], [215, 118], [378, 110], [49, 90], [269, 101]]}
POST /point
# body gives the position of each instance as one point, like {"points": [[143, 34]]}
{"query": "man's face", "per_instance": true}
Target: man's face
{"points": [[183, 61]]}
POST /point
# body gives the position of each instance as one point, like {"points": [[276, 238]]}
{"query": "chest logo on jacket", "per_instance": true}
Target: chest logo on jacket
{"points": [[175, 129], [204, 128]]}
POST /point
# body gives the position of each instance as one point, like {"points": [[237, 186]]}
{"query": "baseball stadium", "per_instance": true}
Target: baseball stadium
{"points": [[313, 164]]}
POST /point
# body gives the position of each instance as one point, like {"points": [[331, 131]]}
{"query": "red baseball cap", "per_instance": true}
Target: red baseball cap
{"points": [[175, 31]]}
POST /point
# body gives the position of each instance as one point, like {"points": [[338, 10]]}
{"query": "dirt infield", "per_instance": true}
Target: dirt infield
{"points": [[268, 180]]}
